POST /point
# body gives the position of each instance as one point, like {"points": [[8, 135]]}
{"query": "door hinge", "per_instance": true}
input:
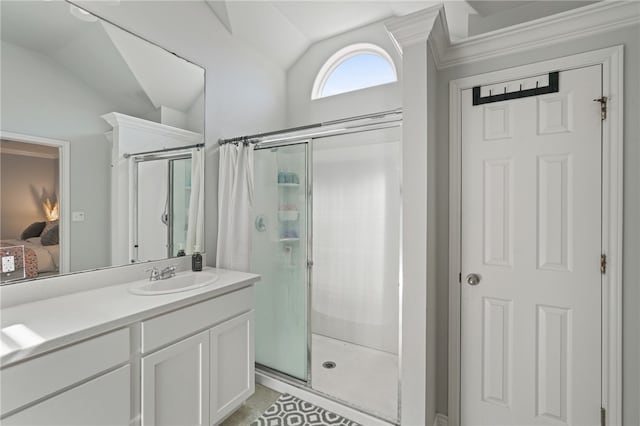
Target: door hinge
{"points": [[603, 417], [603, 263], [460, 277], [603, 107]]}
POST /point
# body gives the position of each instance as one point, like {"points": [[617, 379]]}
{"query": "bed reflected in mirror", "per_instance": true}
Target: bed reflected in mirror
{"points": [[30, 209]]}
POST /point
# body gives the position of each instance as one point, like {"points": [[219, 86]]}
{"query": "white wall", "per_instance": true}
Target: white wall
{"points": [[300, 77], [630, 38], [40, 98], [23, 181], [244, 93]]}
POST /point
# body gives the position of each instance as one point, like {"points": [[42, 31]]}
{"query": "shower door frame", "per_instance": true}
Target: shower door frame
{"points": [[170, 157], [307, 385], [309, 262]]}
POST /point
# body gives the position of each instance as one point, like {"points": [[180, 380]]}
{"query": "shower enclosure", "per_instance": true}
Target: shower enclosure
{"points": [[326, 241], [162, 189]]}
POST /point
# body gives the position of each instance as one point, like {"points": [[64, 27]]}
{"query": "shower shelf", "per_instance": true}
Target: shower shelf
{"points": [[289, 184], [288, 215], [288, 240]]}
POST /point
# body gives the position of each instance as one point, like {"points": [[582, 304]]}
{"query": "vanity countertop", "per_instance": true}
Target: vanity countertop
{"points": [[33, 328]]}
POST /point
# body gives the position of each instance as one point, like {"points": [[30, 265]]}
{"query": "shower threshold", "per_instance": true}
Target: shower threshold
{"points": [[299, 388]]}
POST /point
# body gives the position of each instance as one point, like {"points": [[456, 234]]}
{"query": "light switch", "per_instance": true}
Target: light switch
{"points": [[8, 264], [77, 216]]}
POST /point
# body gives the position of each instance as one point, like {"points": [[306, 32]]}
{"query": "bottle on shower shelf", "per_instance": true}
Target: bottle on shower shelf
{"points": [[290, 233]]}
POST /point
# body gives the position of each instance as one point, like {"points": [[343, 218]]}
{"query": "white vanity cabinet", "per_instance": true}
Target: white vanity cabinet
{"points": [[103, 401], [187, 365], [175, 384], [88, 383], [199, 380], [232, 365]]}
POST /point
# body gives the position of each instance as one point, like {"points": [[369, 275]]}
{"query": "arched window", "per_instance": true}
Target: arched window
{"points": [[352, 68]]}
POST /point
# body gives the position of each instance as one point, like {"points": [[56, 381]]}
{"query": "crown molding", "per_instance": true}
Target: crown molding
{"points": [[573, 24], [116, 119], [430, 24], [414, 28]]}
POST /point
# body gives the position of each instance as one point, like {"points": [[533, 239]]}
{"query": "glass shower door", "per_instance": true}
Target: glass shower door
{"points": [[279, 255]]}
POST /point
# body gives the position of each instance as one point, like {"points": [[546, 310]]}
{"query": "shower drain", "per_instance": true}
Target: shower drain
{"points": [[329, 364]]}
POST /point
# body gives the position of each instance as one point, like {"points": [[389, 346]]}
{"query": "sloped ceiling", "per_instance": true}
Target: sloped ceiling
{"points": [[82, 48], [144, 61], [284, 30], [119, 66]]}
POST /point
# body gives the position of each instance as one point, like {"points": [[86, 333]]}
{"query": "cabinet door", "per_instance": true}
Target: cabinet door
{"points": [[175, 384], [232, 365], [105, 400]]}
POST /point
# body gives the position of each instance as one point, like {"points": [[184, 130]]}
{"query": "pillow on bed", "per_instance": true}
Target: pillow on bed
{"points": [[33, 230], [48, 225], [51, 236]]}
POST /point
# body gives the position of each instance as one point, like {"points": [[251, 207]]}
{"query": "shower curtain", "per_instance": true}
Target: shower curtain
{"points": [[195, 224], [235, 205]]}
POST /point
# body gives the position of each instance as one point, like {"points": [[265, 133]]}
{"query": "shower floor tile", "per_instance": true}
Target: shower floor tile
{"points": [[364, 377]]}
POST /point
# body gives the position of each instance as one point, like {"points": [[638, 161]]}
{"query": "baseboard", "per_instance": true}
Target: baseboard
{"points": [[441, 420]]}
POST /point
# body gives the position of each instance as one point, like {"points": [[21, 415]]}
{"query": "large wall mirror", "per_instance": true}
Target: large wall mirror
{"points": [[101, 145]]}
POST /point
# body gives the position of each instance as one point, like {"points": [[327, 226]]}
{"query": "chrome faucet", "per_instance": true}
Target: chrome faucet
{"points": [[168, 272], [155, 274]]}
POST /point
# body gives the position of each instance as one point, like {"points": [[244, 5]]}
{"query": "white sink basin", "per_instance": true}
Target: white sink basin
{"points": [[183, 281]]}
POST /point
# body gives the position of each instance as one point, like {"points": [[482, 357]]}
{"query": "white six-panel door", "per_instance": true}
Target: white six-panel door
{"points": [[531, 231]]}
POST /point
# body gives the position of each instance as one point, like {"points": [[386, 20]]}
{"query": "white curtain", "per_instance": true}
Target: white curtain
{"points": [[235, 205], [195, 224]]}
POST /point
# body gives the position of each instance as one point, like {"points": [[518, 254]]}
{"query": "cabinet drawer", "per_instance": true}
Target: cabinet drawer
{"points": [[175, 325], [36, 378], [104, 400]]}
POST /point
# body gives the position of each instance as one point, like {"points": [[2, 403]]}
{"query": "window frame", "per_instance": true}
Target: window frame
{"points": [[340, 57]]}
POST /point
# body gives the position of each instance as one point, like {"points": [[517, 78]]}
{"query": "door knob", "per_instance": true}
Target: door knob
{"points": [[473, 279]]}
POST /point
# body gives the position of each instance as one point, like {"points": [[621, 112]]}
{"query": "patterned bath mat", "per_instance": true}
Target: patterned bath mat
{"points": [[291, 411]]}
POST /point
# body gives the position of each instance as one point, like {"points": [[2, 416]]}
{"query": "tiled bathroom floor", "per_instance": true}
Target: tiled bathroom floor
{"points": [[253, 408], [364, 377]]}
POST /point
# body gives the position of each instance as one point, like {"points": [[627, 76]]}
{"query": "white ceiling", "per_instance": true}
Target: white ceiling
{"points": [[284, 30], [119, 66], [323, 19]]}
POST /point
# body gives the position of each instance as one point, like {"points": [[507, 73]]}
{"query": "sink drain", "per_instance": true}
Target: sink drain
{"points": [[329, 364]]}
